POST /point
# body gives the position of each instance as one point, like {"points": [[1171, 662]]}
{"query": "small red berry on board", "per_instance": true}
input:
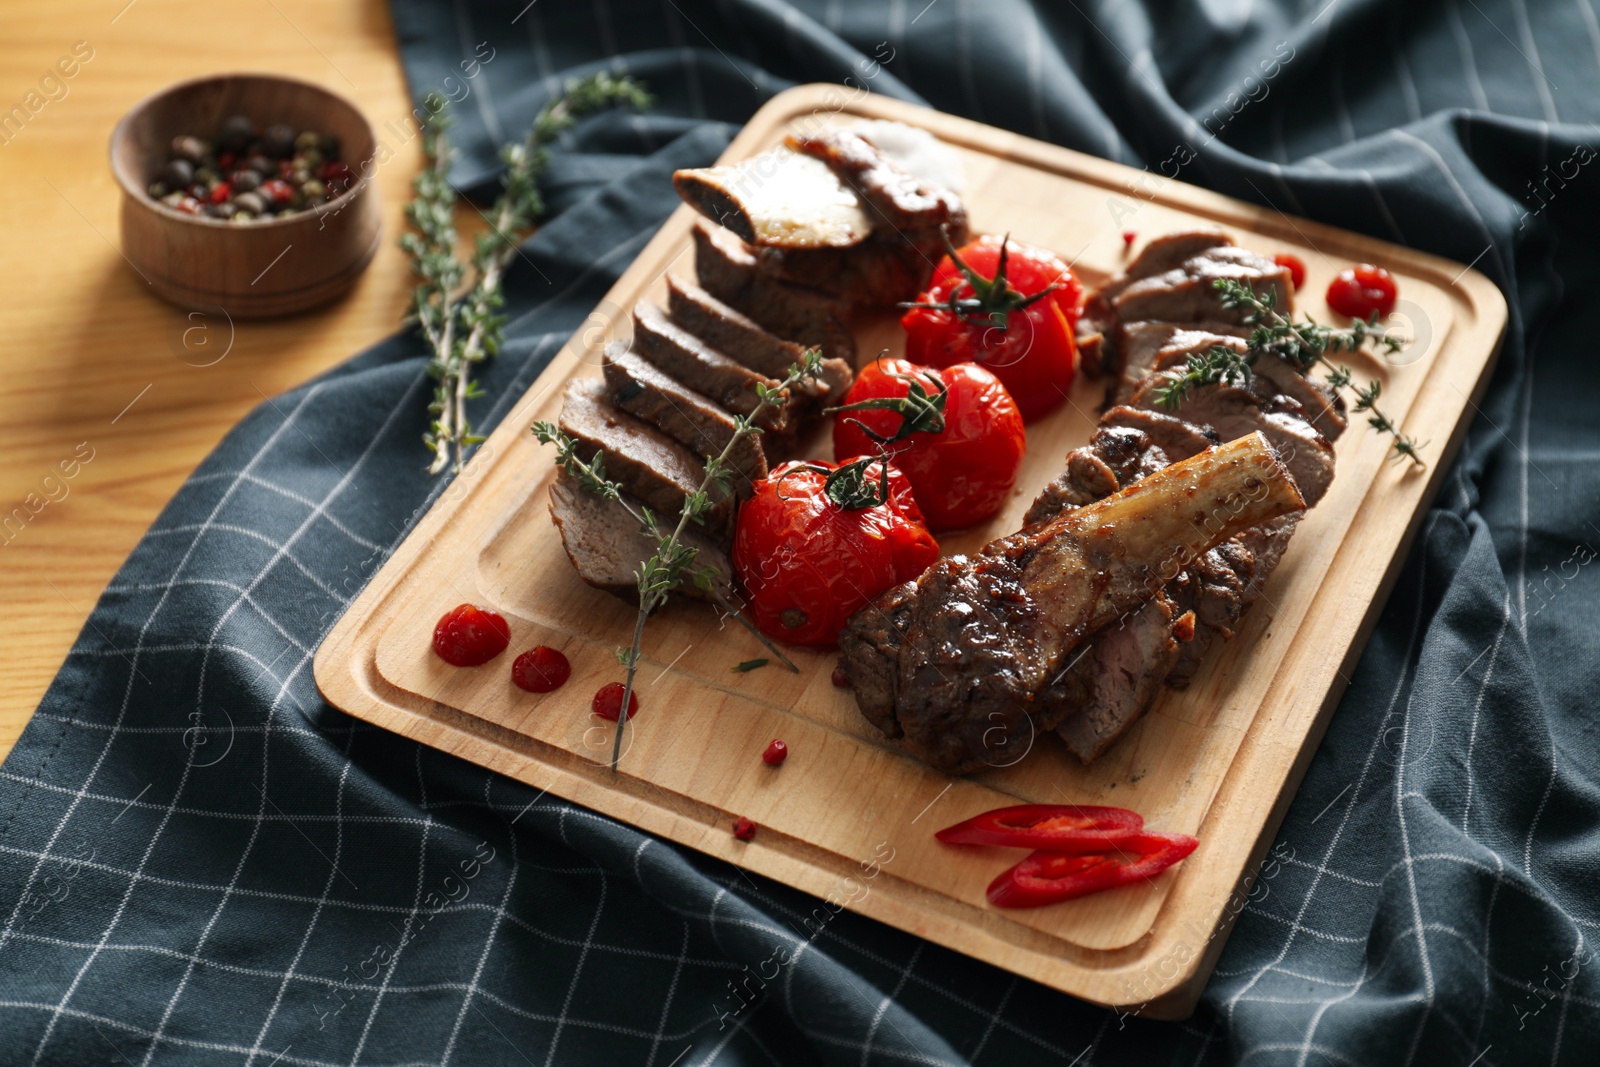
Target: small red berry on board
{"points": [[470, 636], [541, 670], [1363, 291], [607, 702], [744, 829], [775, 754], [1295, 266]]}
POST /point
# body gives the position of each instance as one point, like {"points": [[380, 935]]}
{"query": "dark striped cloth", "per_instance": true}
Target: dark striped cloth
{"points": [[201, 862]]}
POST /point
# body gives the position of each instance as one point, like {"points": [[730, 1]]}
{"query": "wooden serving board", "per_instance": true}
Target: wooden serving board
{"points": [[1220, 760]]}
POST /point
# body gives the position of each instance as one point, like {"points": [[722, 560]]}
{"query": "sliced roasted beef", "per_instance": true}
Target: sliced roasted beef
{"points": [[649, 464], [740, 337], [1234, 411], [726, 267], [641, 389], [780, 198], [1177, 438], [985, 638], [1187, 293], [894, 198], [883, 270], [1131, 660], [1324, 408], [1137, 344], [605, 544], [869, 650], [1213, 588], [702, 368], [1164, 253]]}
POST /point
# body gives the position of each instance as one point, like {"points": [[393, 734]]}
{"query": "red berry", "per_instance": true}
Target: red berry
{"points": [[336, 173], [744, 829], [1363, 291], [541, 670], [1128, 237], [221, 193], [1295, 266], [775, 754], [469, 636], [607, 702], [226, 160], [279, 192]]}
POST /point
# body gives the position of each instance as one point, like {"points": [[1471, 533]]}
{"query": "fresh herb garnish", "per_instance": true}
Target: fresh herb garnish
{"points": [[673, 560], [464, 326], [1304, 344], [750, 665]]}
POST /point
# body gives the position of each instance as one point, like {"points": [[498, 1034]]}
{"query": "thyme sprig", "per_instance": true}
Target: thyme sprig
{"points": [[464, 326], [673, 560], [1304, 344]]}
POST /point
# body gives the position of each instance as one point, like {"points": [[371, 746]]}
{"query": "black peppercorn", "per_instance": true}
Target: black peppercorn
{"points": [[246, 180], [177, 173], [236, 134], [278, 141], [251, 202], [189, 148]]}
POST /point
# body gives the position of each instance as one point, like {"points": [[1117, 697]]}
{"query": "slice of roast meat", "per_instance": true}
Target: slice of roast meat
{"points": [[894, 198], [726, 268], [780, 198], [884, 269], [1174, 436], [605, 544], [1187, 293], [1164, 253], [871, 643], [1324, 408], [740, 337], [690, 360], [1131, 659], [642, 390], [648, 464], [1270, 375], [1234, 411], [984, 639]]}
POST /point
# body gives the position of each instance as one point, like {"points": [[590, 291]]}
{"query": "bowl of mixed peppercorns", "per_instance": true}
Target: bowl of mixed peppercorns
{"points": [[248, 194]]}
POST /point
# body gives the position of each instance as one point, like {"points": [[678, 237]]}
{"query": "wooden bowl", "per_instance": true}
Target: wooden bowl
{"points": [[273, 267]]}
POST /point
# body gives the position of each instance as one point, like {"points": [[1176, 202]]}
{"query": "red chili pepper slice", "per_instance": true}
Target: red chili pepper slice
{"points": [[1051, 877], [1053, 827]]}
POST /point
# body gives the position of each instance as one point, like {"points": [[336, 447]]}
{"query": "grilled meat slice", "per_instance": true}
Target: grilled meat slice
{"points": [[1130, 662], [740, 337], [649, 464], [983, 639], [780, 198], [872, 643], [1164, 253], [1177, 438], [691, 361], [893, 197], [1324, 408], [727, 269], [1186, 293], [886, 268], [605, 544], [640, 389], [1233, 412]]}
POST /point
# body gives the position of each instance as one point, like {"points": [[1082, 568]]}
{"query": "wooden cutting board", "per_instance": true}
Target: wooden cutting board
{"points": [[848, 818]]}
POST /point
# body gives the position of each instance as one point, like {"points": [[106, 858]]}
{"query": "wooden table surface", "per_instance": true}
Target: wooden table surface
{"points": [[91, 359]]}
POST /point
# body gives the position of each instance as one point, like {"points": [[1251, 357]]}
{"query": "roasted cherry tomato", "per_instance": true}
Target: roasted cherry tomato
{"points": [[1295, 266], [1050, 877], [470, 636], [962, 468], [1051, 827], [1363, 291], [991, 303], [817, 541]]}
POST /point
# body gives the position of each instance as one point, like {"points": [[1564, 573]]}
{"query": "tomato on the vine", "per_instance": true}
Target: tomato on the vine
{"points": [[962, 468], [1363, 291], [1009, 307], [817, 541]]}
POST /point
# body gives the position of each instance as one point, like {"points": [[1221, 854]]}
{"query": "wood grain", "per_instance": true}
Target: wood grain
{"points": [[84, 337], [1219, 760]]}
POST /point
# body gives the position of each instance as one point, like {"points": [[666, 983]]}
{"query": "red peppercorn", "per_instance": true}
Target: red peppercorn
{"points": [[607, 702], [285, 167], [336, 173], [226, 160], [1363, 291], [1295, 266], [744, 829], [541, 670], [1128, 237], [221, 193], [839, 677], [190, 206], [469, 636], [775, 754], [279, 192]]}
